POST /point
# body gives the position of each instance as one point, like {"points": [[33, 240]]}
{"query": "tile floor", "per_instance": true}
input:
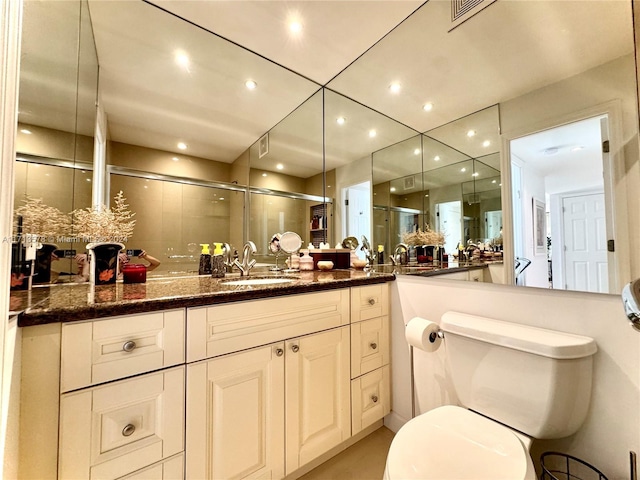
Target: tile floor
{"points": [[364, 460]]}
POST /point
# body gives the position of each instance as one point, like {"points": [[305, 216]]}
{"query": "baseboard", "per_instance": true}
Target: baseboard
{"points": [[393, 421]]}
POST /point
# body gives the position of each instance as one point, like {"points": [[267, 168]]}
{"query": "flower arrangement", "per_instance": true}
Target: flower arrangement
{"points": [[104, 224], [426, 237], [41, 220]]}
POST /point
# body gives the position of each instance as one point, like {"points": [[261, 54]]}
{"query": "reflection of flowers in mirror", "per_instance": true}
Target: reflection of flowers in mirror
{"points": [[423, 237], [42, 220]]}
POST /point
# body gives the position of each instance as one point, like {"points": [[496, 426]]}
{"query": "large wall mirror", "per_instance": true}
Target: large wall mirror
{"points": [[583, 68], [165, 81]]}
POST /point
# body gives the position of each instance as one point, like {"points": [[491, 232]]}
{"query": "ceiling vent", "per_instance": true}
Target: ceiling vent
{"points": [[409, 183], [463, 10]]}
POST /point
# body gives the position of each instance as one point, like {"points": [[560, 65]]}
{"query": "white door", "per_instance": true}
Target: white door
{"points": [[585, 237], [449, 222], [357, 210], [235, 415], [318, 414], [493, 222]]}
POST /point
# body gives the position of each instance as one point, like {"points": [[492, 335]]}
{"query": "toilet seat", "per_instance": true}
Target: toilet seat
{"points": [[455, 443]]}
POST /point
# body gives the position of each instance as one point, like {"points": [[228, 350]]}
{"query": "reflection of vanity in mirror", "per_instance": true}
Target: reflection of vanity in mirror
{"points": [[320, 171]]}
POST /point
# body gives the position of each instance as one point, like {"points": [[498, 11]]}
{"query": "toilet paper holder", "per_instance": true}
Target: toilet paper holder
{"points": [[433, 336]]}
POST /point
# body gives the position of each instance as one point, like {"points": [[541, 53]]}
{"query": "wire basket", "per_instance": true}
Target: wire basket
{"points": [[560, 466]]}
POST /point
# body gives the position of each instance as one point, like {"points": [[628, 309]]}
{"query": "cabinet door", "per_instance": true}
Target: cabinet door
{"points": [[235, 416], [317, 395], [109, 431], [370, 398]]}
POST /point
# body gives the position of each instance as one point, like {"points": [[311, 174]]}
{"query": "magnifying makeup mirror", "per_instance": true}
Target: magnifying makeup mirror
{"points": [[290, 242]]}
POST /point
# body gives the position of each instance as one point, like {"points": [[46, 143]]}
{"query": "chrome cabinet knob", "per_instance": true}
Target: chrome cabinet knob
{"points": [[128, 430], [129, 346], [374, 398], [279, 352], [373, 345], [295, 348], [372, 301]]}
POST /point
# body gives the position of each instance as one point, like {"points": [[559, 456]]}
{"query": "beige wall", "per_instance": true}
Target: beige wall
{"points": [[55, 144], [161, 162]]}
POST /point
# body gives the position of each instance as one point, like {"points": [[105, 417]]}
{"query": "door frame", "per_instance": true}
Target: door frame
{"points": [[615, 195]]}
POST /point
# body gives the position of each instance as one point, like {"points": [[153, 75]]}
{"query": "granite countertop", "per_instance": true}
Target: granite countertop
{"points": [[424, 270], [73, 302]]}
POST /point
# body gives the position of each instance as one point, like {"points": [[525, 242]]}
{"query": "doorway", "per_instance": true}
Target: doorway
{"points": [[449, 222], [560, 171], [357, 207]]}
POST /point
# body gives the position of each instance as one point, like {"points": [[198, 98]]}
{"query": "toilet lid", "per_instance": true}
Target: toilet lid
{"points": [[454, 443]]}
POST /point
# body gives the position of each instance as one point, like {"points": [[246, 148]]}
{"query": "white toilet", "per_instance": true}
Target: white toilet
{"points": [[515, 383]]}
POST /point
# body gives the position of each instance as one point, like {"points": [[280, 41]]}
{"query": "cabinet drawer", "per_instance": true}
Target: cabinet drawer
{"points": [[170, 469], [369, 301], [103, 350], [221, 329], [369, 345], [476, 275], [109, 431], [370, 399]]}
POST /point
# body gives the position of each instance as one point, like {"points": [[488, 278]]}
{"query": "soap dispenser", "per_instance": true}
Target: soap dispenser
{"points": [[217, 262], [205, 260]]}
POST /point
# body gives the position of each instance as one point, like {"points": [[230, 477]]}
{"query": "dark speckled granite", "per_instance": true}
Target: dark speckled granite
{"points": [[67, 303]]}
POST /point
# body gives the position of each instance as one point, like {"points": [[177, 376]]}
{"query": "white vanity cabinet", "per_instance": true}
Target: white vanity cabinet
{"points": [[370, 384], [113, 393], [268, 410]]}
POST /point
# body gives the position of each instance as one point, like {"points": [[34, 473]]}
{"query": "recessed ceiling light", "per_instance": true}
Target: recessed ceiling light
{"points": [[550, 151], [88, 179], [182, 145], [486, 143], [463, 169], [416, 151], [182, 59], [493, 181], [295, 26], [25, 131], [475, 174], [394, 87], [221, 198], [436, 158], [340, 120], [175, 159], [471, 133], [250, 84], [427, 107], [146, 186], [427, 195], [372, 133], [279, 166], [577, 148], [264, 174], [392, 189]]}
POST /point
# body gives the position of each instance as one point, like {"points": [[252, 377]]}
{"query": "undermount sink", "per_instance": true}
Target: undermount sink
{"points": [[259, 281]]}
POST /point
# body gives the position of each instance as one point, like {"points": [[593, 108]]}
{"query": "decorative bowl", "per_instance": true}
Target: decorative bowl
{"points": [[325, 264], [359, 263]]}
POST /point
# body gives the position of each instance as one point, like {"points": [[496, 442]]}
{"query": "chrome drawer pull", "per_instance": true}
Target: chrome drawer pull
{"points": [[373, 345], [129, 346], [374, 398], [372, 301], [279, 352], [295, 348], [128, 430]]}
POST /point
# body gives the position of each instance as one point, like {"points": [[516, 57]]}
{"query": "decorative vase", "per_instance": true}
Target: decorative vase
{"points": [[43, 263], [103, 262]]}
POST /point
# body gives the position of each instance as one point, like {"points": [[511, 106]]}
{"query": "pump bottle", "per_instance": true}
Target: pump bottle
{"points": [[217, 262], [205, 260]]}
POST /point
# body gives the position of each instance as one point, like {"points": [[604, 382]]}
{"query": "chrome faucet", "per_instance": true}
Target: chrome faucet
{"points": [[400, 254], [247, 262], [229, 257]]}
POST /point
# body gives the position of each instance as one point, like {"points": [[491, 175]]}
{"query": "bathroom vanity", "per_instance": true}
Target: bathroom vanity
{"points": [[209, 381]]}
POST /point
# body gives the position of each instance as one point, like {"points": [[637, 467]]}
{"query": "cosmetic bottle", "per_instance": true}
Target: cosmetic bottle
{"points": [[217, 261], [205, 260], [380, 254]]}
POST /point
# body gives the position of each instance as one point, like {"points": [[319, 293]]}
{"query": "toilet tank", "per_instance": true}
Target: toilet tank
{"points": [[531, 379]]}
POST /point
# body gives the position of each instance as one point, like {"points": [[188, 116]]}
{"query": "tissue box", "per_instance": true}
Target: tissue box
{"points": [[341, 257]]}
